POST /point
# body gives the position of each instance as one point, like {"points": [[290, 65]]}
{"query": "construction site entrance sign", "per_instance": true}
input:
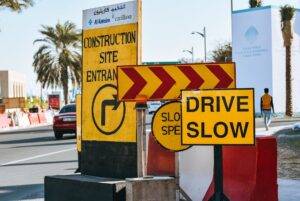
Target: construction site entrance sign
{"points": [[110, 38]]}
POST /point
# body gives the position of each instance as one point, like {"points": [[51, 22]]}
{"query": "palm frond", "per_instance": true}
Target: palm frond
{"points": [[16, 5], [287, 12], [58, 57]]}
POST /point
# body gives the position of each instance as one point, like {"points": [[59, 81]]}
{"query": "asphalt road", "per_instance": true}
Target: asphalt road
{"points": [[27, 157]]}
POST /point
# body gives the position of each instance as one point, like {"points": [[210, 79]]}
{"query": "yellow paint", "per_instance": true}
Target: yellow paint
{"points": [[153, 82], [92, 127], [166, 126], [78, 122], [208, 125]]}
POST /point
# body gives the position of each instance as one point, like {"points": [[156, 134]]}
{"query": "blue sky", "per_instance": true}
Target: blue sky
{"points": [[167, 25]]}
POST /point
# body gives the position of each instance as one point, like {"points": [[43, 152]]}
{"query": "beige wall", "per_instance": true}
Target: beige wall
{"points": [[13, 84], [3, 84]]}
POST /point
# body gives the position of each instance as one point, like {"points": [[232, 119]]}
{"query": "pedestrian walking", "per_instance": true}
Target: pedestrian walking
{"points": [[266, 106]]}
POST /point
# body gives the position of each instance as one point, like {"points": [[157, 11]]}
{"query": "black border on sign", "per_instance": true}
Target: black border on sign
{"points": [[93, 115], [157, 65], [152, 132], [254, 132]]}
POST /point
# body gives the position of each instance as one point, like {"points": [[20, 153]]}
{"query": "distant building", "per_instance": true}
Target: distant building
{"points": [[12, 84], [259, 54]]}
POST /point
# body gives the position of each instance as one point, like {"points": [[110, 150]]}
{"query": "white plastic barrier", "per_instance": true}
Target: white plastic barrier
{"points": [[196, 170], [49, 116], [23, 119]]}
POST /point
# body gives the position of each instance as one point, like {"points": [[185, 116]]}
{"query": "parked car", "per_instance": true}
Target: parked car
{"points": [[65, 121], [153, 106]]}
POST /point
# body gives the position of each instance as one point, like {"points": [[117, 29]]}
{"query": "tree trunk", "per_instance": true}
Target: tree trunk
{"points": [[66, 90], [288, 80]]}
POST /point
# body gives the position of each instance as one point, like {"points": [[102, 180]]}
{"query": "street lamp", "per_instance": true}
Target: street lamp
{"points": [[191, 52], [203, 34]]}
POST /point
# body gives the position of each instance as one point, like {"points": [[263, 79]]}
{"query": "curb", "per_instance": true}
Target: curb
{"points": [[44, 127]]}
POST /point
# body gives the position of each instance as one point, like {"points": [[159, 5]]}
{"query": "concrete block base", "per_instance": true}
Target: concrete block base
{"points": [[151, 189], [84, 188]]}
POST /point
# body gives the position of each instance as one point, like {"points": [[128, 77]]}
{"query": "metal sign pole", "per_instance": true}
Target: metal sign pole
{"points": [[218, 175], [141, 138]]}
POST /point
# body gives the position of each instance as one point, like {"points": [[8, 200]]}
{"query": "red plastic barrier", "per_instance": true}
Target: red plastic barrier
{"points": [[160, 161], [250, 172], [4, 121], [33, 118], [42, 118]]}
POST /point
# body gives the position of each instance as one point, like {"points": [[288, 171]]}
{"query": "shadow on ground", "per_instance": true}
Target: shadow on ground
{"points": [[33, 140], [19, 192], [40, 163]]}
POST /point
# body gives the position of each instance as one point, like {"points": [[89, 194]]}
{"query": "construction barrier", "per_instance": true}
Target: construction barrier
{"points": [[4, 121], [23, 119], [42, 118], [33, 118], [250, 172], [196, 170], [160, 161], [49, 116]]}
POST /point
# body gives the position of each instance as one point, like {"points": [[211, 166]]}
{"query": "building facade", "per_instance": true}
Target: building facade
{"points": [[259, 54], [12, 84]]}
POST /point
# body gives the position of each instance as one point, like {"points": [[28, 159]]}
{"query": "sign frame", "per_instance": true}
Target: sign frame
{"points": [[135, 23], [211, 144]]}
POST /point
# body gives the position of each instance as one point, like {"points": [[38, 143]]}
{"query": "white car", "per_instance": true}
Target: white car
{"points": [[153, 106]]}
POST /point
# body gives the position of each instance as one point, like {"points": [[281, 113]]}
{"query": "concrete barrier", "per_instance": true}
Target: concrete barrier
{"points": [[151, 189], [250, 172], [83, 188]]}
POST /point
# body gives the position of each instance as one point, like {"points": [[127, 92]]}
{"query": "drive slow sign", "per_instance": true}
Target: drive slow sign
{"points": [[218, 117]]}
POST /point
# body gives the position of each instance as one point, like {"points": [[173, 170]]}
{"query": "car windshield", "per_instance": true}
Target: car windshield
{"points": [[68, 108]]}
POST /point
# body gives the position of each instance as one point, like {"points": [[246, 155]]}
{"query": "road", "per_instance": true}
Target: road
{"points": [[26, 157]]}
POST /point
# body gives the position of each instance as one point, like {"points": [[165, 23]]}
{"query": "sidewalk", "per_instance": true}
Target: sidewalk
{"points": [[288, 190], [40, 127]]}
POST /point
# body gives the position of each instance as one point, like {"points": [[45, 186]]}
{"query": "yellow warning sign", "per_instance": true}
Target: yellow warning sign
{"points": [[104, 118], [165, 82], [218, 117], [166, 126], [78, 122]]}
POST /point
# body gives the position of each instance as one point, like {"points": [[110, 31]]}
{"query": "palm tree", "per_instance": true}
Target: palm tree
{"points": [[287, 13], [58, 58], [222, 53], [255, 3], [16, 5]]}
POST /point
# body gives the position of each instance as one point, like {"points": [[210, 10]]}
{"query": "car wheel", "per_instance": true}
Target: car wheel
{"points": [[58, 135]]}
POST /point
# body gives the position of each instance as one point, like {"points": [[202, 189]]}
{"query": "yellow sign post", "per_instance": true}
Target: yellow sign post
{"points": [[166, 126], [218, 117], [110, 39], [78, 122]]}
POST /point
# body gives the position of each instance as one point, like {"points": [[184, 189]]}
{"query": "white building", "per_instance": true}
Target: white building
{"points": [[260, 55], [12, 84]]}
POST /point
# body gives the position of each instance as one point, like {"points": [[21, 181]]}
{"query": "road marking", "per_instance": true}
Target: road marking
{"points": [[38, 156]]}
